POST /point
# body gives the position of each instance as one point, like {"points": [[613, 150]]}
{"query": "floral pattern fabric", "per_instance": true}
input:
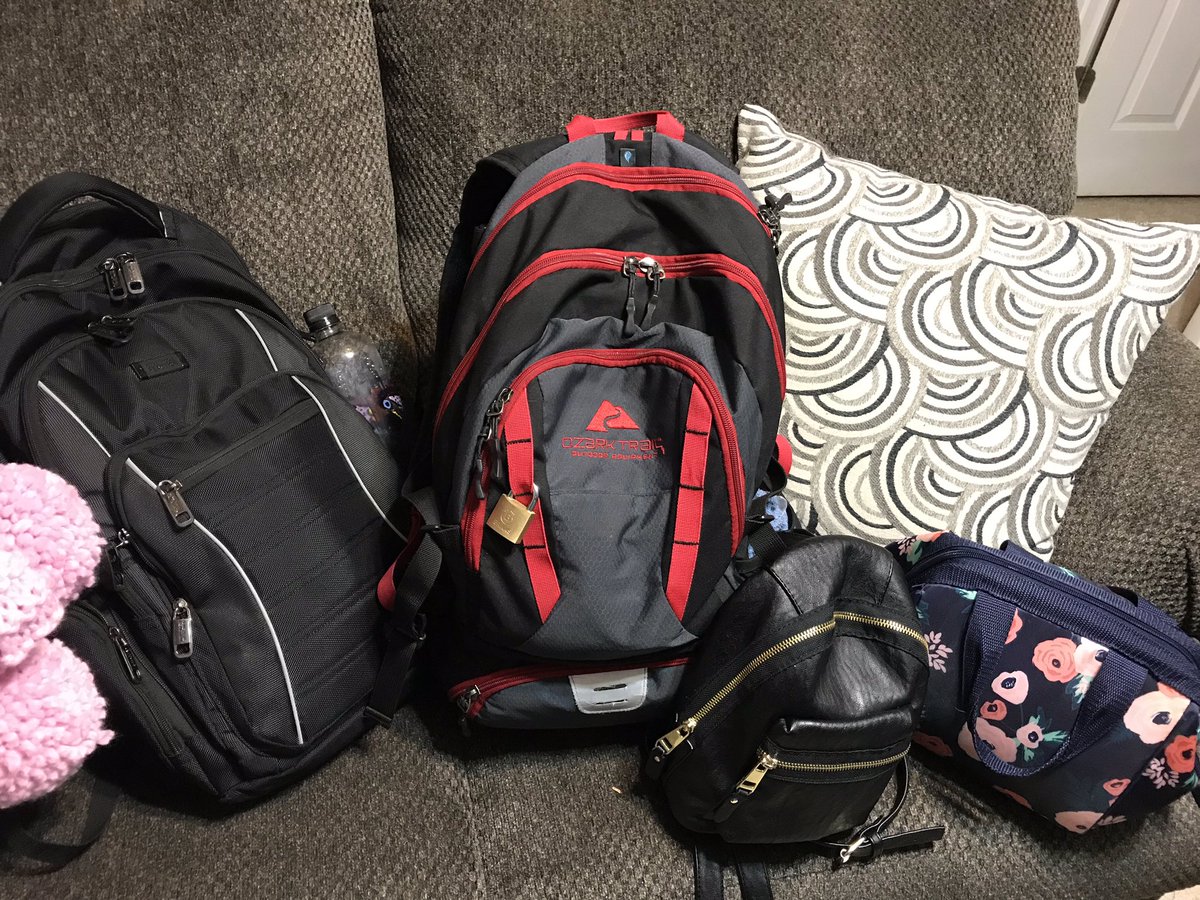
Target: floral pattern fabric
{"points": [[1032, 703]]}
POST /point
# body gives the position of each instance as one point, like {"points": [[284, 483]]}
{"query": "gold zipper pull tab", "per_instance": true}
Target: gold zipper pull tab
{"points": [[747, 786], [666, 744]]}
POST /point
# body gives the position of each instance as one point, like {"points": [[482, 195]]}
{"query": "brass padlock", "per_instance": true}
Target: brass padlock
{"points": [[510, 519]]}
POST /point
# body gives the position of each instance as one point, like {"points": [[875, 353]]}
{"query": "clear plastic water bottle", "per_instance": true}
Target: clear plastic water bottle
{"points": [[357, 371]]}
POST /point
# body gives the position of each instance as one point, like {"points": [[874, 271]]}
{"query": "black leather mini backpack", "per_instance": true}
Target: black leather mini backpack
{"points": [[800, 703]]}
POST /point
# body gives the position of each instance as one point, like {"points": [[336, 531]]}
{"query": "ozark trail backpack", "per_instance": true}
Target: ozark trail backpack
{"points": [[246, 505], [609, 377]]}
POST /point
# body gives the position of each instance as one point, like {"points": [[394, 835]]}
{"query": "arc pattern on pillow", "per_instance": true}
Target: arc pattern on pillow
{"points": [[951, 358]]}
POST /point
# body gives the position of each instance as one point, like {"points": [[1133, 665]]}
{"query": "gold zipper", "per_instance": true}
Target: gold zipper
{"points": [[672, 739], [767, 762]]}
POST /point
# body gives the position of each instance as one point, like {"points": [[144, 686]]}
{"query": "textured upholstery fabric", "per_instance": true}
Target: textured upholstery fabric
{"points": [[264, 120], [977, 95], [267, 122]]}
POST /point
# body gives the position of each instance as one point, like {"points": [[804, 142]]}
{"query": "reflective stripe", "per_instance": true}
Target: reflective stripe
{"points": [[70, 412], [287, 678]]}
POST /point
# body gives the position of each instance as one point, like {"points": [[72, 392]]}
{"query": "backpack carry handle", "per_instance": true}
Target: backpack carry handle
{"points": [[659, 119], [29, 211]]}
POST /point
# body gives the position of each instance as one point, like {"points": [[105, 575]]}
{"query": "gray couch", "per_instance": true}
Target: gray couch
{"points": [[330, 140]]}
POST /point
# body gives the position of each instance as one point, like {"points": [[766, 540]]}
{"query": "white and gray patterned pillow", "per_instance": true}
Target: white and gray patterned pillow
{"points": [[951, 358]]}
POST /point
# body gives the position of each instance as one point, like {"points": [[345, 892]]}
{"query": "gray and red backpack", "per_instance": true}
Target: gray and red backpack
{"points": [[608, 384]]}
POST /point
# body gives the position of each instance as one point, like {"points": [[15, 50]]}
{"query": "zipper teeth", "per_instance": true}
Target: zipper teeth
{"points": [[840, 767], [770, 653], [684, 265], [1048, 581], [797, 639], [639, 177], [890, 624], [697, 373]]}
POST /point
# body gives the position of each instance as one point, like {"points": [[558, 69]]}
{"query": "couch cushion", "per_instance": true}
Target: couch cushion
{"points": [[979, 96], [264, 120], [1134, 518]]}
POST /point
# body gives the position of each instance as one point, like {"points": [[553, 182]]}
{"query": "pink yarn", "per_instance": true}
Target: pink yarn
{"points": [[51, 718], [45, 522]]}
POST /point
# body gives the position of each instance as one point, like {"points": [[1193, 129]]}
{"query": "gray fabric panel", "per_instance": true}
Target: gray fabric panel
{"points": [[572, 334], [979, 95], [264, 121], [590, 149], [551, 704]]}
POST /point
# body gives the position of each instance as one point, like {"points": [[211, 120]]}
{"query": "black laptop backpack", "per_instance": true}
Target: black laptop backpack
{"points": [[609, 377], [248, 509]]}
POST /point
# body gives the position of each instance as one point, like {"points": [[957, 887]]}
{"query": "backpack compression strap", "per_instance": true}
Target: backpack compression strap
{"points": [[406, 626]]}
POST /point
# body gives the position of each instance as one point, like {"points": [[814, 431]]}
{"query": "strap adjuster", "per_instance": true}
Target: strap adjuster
{"points": [[373, 715]]}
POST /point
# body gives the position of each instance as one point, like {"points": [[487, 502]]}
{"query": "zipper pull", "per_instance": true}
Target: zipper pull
{"points": [[667, 744], [770, 211], [113, 282], [747, 785], [490, 421], [629, 268], [467, 698], [654, 273], [128, 660], [181, 629], [171, 492], [131, 273], [116, 569], [114, 330]]}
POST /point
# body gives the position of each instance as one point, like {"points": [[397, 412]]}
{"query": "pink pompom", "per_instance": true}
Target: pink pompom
{"points": [[44, 521], [51, 718]]}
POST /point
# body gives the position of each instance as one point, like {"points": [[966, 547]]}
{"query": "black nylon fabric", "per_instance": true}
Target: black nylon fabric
{"points": [[181, 371], [558, 231]]}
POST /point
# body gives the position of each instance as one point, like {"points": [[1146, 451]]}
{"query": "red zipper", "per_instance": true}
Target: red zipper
{"points": [[621, 358], [600, 259], [659, 178], [490, 685]]}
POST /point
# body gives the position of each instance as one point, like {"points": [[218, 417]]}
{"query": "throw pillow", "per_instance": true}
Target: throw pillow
{"points": [[951, 358]]}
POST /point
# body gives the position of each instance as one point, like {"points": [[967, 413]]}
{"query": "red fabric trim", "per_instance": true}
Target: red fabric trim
{"points": [[518, 431], [621, 135], [637, 135], [474, 516], [639, 178], [689, 503], [492, 684], [735, 473], [783, 452], [386, 591], [601, 259], [662, 121]]}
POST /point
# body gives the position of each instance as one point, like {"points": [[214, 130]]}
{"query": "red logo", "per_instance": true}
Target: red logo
{"points": [[610, 417]]}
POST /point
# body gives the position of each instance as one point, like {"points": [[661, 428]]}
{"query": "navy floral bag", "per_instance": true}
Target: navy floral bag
{"points": [[1075, 700]]}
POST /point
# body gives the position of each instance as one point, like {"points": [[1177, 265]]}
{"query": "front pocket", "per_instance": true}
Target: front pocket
{"points": [[812, 780], [273, 534], [637, 471]]}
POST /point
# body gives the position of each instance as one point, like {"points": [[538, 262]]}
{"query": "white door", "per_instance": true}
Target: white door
{"points": [[1139, 129]]}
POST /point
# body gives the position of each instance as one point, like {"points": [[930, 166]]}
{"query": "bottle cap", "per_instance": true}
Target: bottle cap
{"points": [[322, 318]]}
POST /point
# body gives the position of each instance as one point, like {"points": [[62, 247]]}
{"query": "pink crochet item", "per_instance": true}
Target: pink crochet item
{"points": [[45, 522], [51, 718]]}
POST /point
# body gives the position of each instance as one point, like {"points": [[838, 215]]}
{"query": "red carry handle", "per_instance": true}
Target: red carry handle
{"points": [[662, 121]]}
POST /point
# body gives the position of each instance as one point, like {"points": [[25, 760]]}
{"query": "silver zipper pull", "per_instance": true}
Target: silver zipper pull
{"points": [[128, 661], [171, 492], [131, 272], [113, 282], [181, 629]]}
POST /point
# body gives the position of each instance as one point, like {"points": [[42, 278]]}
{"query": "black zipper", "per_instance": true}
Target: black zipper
{"points": [[139, 675], [1072, 586], [301, 412]]}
